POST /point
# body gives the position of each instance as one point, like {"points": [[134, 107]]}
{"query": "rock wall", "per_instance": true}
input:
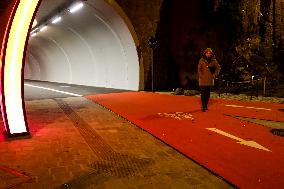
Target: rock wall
{"points": [[247, 36]]}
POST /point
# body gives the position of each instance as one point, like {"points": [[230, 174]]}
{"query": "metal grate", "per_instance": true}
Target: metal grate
{"points": [[121, 165], [111, 162]]}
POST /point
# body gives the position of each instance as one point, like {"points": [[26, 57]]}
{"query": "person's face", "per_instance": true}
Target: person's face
{"points": [[208, 54]]}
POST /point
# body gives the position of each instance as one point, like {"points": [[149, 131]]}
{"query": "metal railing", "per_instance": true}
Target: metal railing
{"points": [[250, 87]]}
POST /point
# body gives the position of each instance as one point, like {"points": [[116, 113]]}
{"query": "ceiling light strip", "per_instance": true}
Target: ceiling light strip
{"points": [[76, 7]]}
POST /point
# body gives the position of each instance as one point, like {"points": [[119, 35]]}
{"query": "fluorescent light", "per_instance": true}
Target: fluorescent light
{"points": [[76, 7], [56, 20], [33, 34], [43, 28], [34, 23], [35, 30]]}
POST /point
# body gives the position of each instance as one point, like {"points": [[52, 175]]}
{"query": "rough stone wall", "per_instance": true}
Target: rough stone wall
{"points": [[280, 31], [236, 28], [280, 23], [261, 40]]}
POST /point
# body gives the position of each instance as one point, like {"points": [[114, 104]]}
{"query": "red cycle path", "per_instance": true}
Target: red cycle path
{"points": [[243, 166]]}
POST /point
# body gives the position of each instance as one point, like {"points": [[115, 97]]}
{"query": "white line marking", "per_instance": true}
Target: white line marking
{"points": [[65, 86], [248, 107], [54, 90], [249, 143]]}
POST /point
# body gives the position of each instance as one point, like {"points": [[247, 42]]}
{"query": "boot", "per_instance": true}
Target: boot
{"points": [[206, 107]]}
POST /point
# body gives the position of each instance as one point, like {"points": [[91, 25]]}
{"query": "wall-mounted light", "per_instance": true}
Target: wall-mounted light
{"points": [[33, 34], [43, 28], [34, 23], [35, 30], [56, 20], [74, 8]]}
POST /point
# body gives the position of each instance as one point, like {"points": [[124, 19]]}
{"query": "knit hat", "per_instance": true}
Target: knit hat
{"points": [[208, 50]]}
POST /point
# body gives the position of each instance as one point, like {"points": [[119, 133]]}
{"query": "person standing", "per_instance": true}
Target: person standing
{"points": [[208, 70]]}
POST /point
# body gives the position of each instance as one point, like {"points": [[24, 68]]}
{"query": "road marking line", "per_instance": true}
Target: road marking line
{"points": [[54, 90], [65, 86], [248, 107], [249, 143]]}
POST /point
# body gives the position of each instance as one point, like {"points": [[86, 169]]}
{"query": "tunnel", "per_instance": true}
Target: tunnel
{"points": [[84, 43]]}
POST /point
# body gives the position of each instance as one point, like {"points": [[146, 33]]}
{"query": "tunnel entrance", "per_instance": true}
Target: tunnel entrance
{"points": [[91, 46]]}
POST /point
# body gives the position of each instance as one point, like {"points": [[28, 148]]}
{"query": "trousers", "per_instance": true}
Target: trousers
{"points": [[205, 95]]}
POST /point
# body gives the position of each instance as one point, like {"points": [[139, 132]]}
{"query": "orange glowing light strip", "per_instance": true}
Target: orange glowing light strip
{"points": [[3, 110], [15, 118]]}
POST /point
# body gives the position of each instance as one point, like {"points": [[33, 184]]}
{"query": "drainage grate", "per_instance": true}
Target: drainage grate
{"points": [[121, 165], [111, 162], [93, 139], [278, 132]]}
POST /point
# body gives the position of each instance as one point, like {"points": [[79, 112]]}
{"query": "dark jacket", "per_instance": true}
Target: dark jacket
{"points": [[208, 70]]}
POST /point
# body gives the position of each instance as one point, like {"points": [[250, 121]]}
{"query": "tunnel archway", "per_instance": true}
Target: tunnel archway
{"points": [[94, 46]]}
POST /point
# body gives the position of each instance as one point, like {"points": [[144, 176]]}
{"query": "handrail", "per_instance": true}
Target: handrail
{"points": [[253, 82]]}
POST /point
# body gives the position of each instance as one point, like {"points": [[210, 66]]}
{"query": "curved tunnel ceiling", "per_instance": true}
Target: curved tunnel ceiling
{"points": [[92, 46]]}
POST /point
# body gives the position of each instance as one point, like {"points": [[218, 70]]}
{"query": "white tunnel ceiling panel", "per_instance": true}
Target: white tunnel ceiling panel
{"points": [[75, 52], [32, 70], [123, 35], [109, 54], [91, 47], [54, 62]]}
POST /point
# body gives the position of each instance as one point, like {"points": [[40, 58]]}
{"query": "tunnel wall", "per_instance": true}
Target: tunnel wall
{"points": [[91, 47], [145, 17]]}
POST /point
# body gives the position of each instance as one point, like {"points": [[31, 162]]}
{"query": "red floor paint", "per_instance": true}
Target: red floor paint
{"points": [[243, 166], [2, 135]]}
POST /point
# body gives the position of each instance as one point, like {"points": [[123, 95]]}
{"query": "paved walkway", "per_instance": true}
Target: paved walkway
{"points": [[78, 144]]}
